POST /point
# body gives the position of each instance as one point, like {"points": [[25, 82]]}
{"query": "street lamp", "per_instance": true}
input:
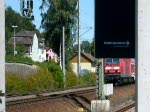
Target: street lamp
{"points": [[14, 39]]}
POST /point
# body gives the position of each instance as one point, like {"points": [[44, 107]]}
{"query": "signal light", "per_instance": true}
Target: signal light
{"points": [[27, 9], [30, 4], [23, 4]]}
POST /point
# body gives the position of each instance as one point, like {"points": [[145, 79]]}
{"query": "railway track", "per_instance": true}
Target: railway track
{"points": [[32, 99], [68, 95], [126, 108]]}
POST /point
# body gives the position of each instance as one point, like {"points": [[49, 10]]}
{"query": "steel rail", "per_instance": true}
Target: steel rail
{"points": [[42, 98], [126, 108]]}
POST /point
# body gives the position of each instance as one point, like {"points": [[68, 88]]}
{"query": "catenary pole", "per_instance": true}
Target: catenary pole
{"points": [[64, 55], [79, 49]]}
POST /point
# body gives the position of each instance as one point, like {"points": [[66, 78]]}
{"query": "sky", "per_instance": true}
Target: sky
{"points": [[86, 16]]}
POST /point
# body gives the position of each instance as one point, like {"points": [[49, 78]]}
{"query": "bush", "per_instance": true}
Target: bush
{"points": [[55, 69], [39, 82], [87, 80], [71, 80], [49, 76], [19, 59], [21, 50], [13, 84]]}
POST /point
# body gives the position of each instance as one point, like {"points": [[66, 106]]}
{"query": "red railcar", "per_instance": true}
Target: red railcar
{"points": [[119, 70]]}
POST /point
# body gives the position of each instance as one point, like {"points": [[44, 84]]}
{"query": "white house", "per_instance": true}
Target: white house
{"points": [[35, 47]]}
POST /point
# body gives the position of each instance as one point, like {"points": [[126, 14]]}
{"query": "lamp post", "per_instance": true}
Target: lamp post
{"points": [[14, 39]]}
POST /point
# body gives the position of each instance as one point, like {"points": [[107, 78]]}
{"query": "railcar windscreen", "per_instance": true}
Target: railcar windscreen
{"points": [[116, 61], [108, 61], [112, 61]]}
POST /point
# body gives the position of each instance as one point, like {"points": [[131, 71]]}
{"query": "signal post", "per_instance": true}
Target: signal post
{"points": [[100, 104], [114, 38]]}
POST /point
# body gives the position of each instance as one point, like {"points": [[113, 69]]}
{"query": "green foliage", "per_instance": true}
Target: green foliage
{"points": [[21, 50], [14, 18], [86, 46], [55, 70], [92, 47], [39, 82], [71, 80], [9, 50], [87, 80], [49, 76], [57, 73], [52, 67], [59, 13], [18, 59], [13, 84]]}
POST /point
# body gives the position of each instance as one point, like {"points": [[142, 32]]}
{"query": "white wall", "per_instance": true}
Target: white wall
{"points": [[143, 70], [41, 55], [35, 50]]}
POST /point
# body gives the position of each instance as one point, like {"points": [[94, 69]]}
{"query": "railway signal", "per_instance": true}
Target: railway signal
{"points": [[26, 8]]}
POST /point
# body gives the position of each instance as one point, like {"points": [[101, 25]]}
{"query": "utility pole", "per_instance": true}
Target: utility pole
{"points": [[2, 56], [79, 50], [64, 70], [14, 40]]}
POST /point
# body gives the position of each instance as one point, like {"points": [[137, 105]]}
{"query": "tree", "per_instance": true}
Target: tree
{"points": [[86, 47], [21, 50], [59, 13], [93, 47], [14, 18]]}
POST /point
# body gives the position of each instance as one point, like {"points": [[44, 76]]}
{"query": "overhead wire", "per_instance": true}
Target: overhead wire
{"points": [[84, 22]]}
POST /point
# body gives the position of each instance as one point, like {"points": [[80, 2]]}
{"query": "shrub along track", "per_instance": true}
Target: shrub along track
{"points": [[66, 101]]}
